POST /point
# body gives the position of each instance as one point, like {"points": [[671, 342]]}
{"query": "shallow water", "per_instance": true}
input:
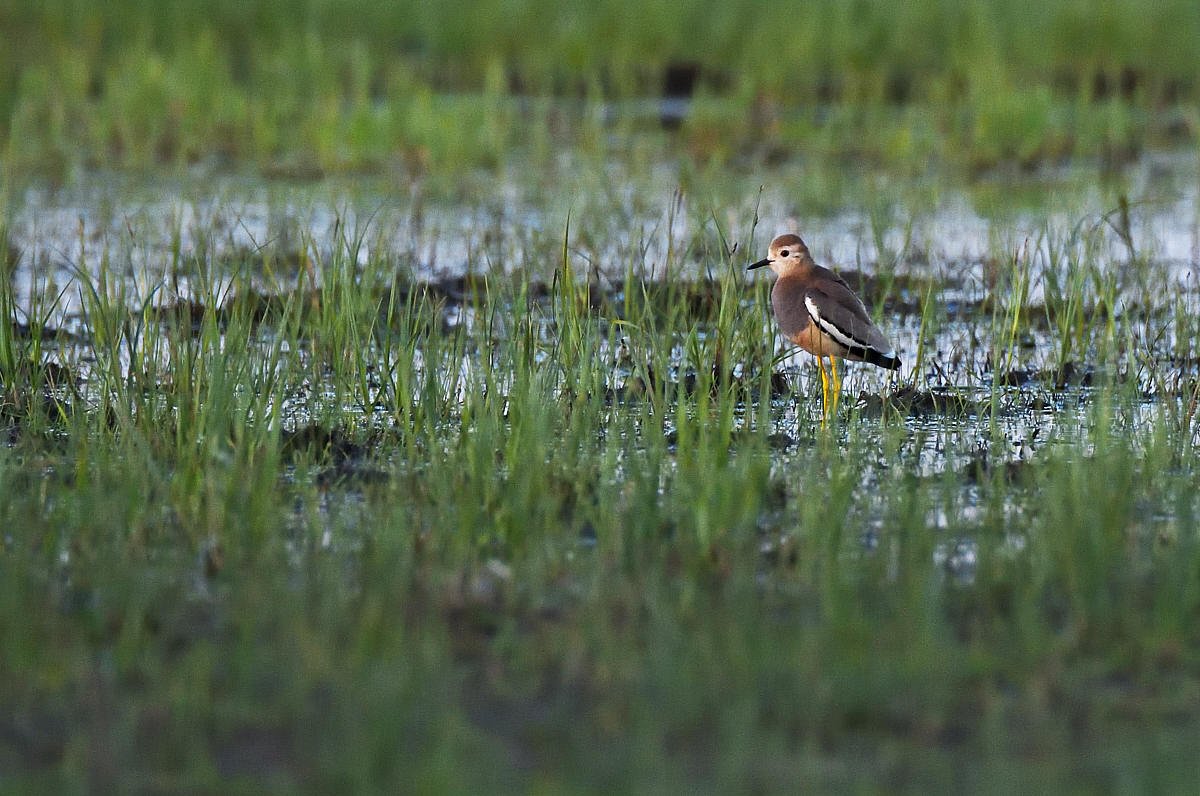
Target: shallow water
{"points": [[959, 244], [622, 221]]}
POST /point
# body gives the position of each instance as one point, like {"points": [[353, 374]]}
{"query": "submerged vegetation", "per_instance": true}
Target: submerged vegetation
{"points": [[477, 464]]}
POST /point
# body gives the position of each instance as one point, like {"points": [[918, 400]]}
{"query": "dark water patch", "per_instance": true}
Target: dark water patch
{"points": [[10, 254], [742, 386], [33, 737], [28, 332], [913, 401], [693, 299], [633, 390], [186, 623], [284, 257], [295, 169], [473, 288], [953, 402], [781, 441], [212, 558], [342, 457], [189, 313], [255, 306], [258, 752], [387, 302], [10, 431], [472, 603], [984, 466], [780, 385], [906, 294], [1069, 374], [328, 443], [22, 410]]}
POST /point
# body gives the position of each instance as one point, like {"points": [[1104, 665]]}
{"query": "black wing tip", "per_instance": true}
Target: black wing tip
{"points": [[882, 360]]}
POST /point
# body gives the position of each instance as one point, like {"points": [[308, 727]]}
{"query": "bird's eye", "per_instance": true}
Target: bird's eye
{"points": [[783, 253]]}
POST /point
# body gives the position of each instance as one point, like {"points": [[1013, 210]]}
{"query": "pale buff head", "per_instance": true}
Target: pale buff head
{"points": [[786, 253]]}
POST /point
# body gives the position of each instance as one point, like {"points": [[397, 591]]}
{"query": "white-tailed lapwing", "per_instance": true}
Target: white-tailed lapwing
{"points": [[819, 312]]}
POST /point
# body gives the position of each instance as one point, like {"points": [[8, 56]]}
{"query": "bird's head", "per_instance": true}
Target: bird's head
{"points": [[786, 253]]}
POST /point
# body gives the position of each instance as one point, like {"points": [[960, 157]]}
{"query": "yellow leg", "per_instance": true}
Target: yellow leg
{"points": [[837, 383], [824, 388]]}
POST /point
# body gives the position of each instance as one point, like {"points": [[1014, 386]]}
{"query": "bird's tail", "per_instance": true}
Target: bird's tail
{"points": [[889, 361]]}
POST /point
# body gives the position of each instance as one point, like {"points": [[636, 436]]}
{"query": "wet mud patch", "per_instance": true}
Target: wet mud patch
{"points": [[340, 456], [46, 401], [33, 737], [1068, 375], [742, 385], [258, 752], [905, 295], [949, 402], [984, 466]]}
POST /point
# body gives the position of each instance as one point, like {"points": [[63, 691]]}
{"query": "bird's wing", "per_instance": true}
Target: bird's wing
{"points": [[841, 314]]}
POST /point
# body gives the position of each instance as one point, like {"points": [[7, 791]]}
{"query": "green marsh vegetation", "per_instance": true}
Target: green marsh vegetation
{"points": [[485, 473], [331, 85], [369, 529]]}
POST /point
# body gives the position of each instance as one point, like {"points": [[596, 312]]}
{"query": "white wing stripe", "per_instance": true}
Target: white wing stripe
{"points": [[841, 337]]}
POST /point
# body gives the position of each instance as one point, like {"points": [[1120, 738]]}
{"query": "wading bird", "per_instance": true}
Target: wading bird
{"points": [[819, 312]]}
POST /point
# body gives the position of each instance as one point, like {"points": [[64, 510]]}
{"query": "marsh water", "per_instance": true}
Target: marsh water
{"points": [[950, 260], [918, 238], [619, 221]]}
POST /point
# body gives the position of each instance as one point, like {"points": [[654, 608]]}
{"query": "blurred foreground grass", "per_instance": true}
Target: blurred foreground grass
{"points": [[333, 85]]}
